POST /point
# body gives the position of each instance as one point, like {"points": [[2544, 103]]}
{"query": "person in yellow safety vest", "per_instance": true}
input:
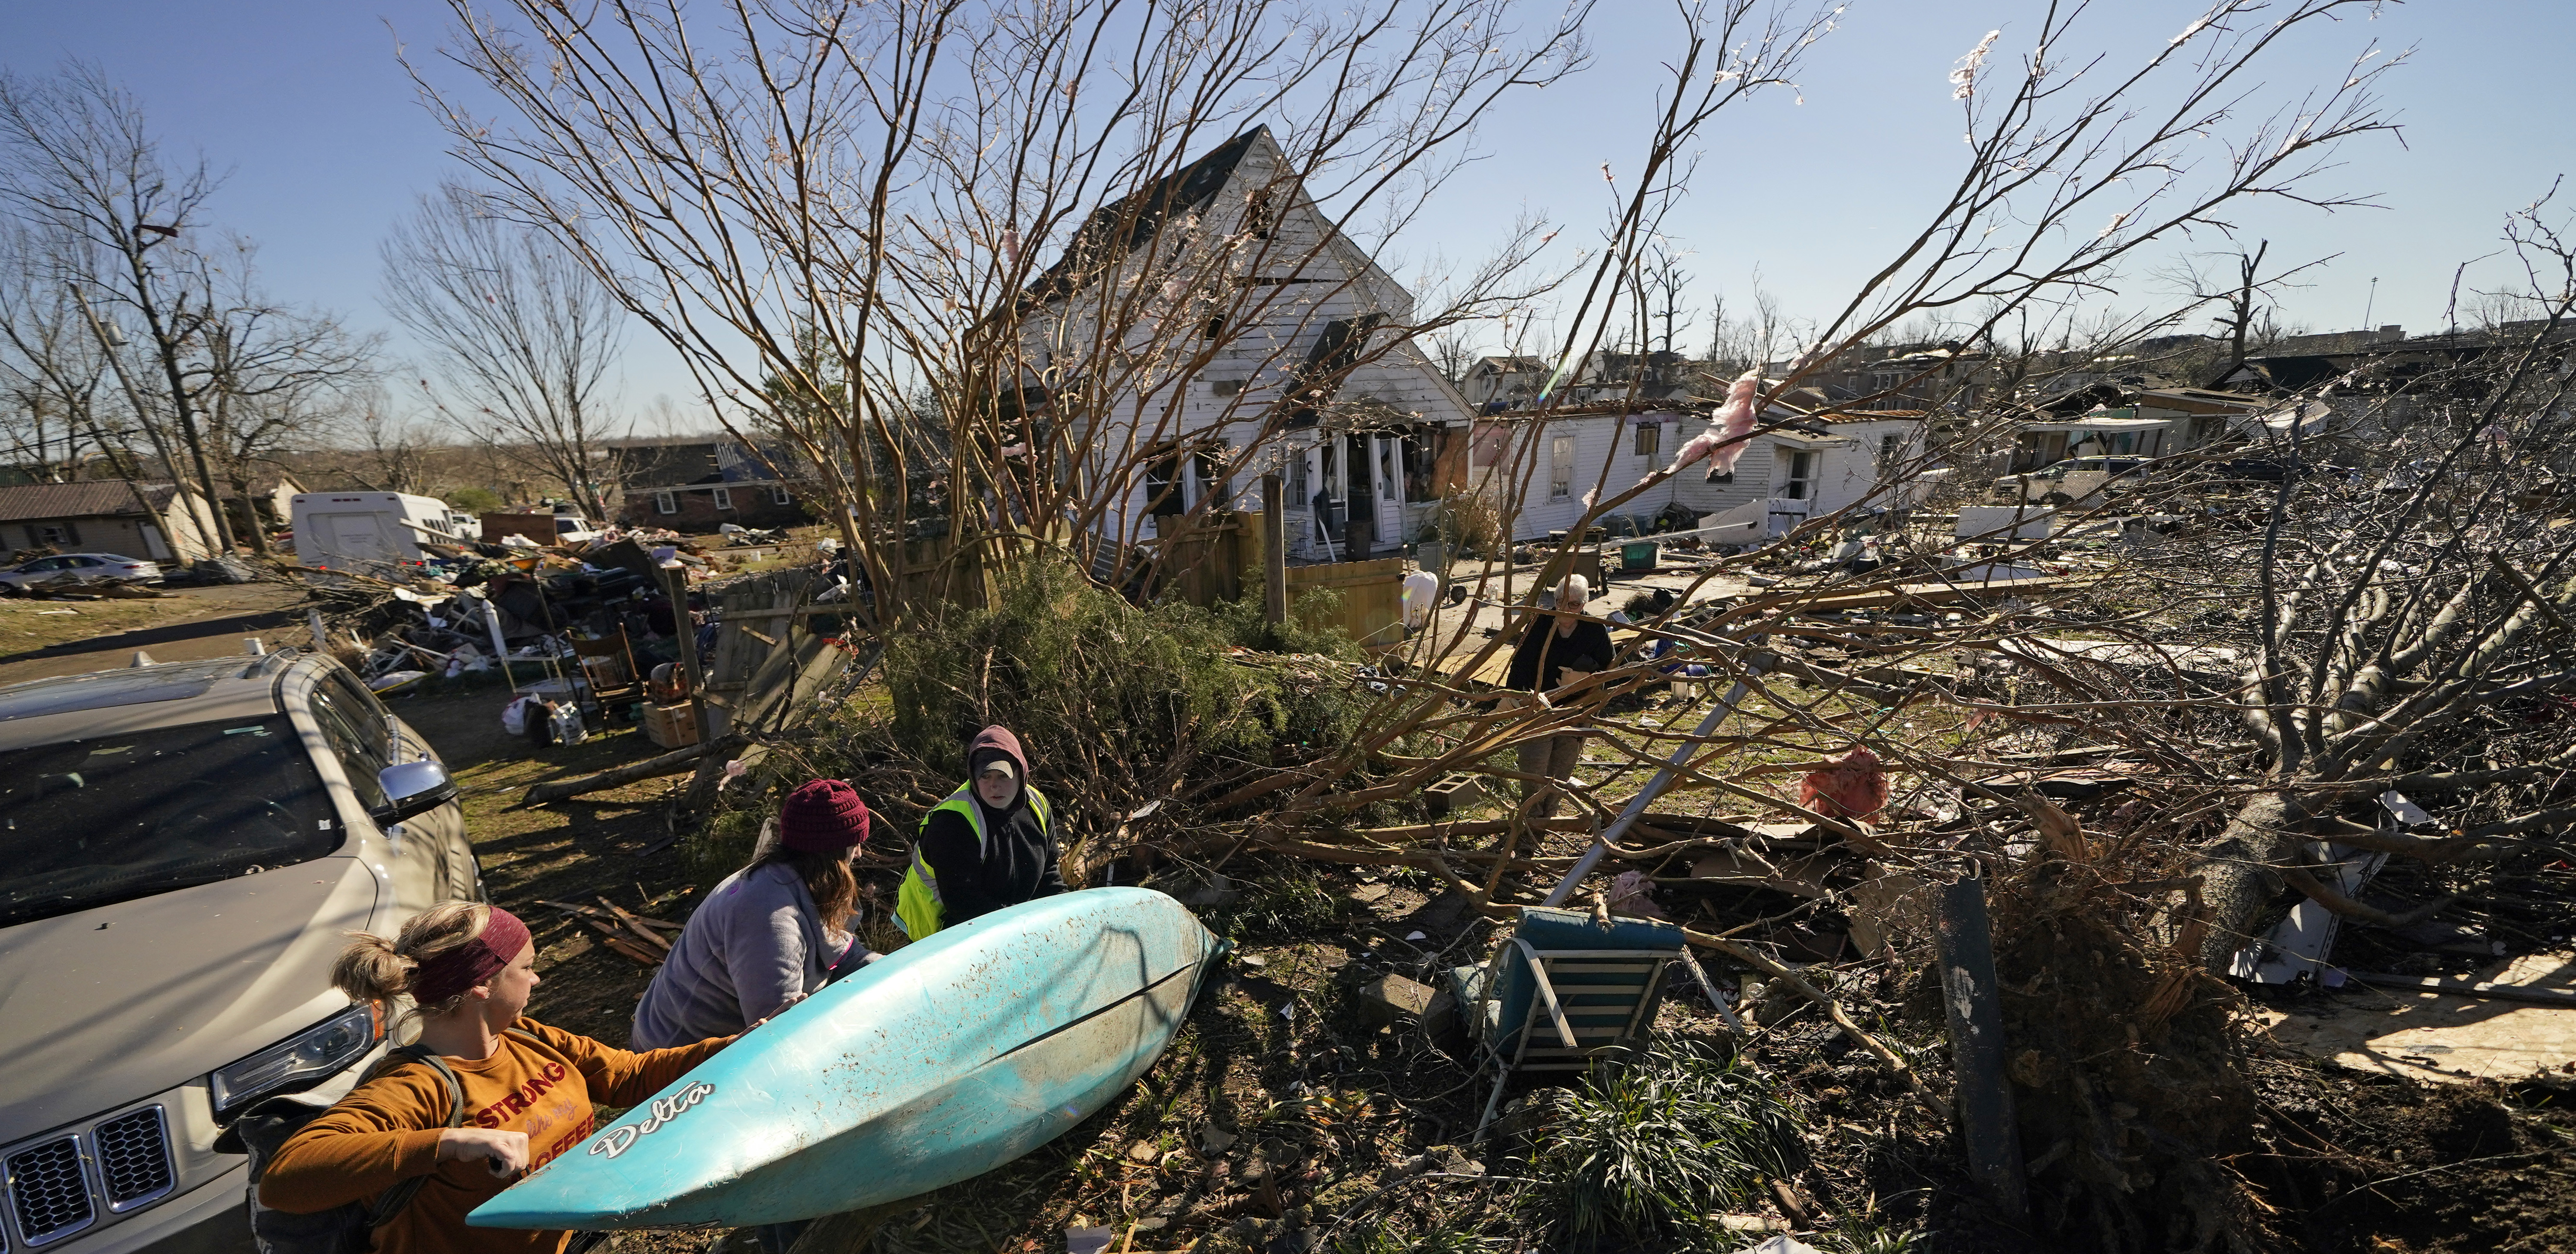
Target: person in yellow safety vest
{"points": [[987, 846]]}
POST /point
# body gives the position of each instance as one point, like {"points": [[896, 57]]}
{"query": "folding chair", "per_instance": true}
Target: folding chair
{"points": [[1561, 992]]}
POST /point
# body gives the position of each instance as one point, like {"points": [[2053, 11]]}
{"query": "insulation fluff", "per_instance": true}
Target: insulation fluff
{"points": [[1723, 442]]}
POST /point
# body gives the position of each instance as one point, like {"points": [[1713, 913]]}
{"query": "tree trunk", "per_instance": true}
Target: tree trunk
{"points": [[2238, 879]]}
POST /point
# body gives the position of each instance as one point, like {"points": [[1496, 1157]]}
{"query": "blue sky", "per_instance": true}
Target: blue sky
{"points": [[303, 102]]}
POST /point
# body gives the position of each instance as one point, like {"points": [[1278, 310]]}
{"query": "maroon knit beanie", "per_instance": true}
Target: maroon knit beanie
{"points": [[822, 816]]}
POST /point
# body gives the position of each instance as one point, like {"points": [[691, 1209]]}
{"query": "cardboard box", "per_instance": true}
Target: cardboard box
{"points": [[671, 726]]}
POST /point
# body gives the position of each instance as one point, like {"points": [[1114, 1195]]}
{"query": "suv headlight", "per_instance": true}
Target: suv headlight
{"points": [[298, 1063]]}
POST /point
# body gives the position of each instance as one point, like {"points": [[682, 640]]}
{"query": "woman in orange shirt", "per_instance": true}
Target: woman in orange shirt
{"points": [[529, 1089]]}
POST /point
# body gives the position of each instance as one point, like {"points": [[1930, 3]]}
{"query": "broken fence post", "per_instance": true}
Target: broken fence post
{"points": [[1966, 950], [1274, 550]]}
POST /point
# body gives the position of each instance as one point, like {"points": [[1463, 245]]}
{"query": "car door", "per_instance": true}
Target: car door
{"points": [[356, 739], [435, 837]]}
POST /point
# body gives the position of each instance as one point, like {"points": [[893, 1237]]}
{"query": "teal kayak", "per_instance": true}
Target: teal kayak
{"points": [[934, 1064]]}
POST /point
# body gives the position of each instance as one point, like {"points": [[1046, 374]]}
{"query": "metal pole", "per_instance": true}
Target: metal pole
{"points": [[675, 584], [1965, 947], [1274, 550], [1664, 777]]}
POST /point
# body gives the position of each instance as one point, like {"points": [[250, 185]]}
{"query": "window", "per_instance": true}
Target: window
{"points": [[1421, 467], [1256, 214], [1560, 468], [1216, 327], [724, 498], [356, 738], [1650, 439], [87, 822], [1163, 485], [56, 534], [778, 495], [1297, 478], [665, 503], [1890, 447], [1802, 475]]}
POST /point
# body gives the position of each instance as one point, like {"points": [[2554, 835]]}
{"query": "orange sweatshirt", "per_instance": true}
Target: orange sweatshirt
{"points": [[387, 1129]]}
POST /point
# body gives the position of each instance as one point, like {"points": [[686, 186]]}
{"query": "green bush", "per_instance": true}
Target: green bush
{"points": [[1078, 670], [1650, 1146], [475, 500]]}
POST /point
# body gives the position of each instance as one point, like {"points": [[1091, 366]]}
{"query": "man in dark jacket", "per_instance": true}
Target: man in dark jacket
{"points": [[987, 846], [1560, 648]]}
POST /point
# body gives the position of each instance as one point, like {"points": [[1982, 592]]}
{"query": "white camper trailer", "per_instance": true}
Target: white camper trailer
{"points": [[345, 529]]}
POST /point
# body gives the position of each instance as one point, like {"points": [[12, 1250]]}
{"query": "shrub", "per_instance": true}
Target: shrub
{"points": [[1081, 670], [1650, 1146]]}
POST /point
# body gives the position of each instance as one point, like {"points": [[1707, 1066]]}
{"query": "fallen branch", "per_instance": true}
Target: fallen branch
{"points": [[2350, 909], [1890, 1058], [671, 763]]}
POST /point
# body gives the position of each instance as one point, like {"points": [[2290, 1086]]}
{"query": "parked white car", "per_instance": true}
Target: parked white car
{"points": [[82, 566], [573, 529]]}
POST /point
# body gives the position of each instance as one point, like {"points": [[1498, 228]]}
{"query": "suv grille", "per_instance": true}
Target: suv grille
{"points": [[134, 1157], [46, 1191]]}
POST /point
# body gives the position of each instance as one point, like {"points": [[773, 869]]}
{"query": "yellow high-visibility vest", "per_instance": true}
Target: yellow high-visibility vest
{"points": [[917, 907]]}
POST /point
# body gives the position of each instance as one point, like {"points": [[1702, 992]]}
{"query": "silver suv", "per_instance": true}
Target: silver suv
{"points": [[183, 848]]}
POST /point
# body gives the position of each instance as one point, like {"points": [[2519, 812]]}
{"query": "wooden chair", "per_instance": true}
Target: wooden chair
{"points": [[1561, 992], [618, 649]]}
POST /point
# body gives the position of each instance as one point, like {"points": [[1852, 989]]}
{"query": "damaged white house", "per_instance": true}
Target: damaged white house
{"points": [[1538, 469], [1217, 326]]}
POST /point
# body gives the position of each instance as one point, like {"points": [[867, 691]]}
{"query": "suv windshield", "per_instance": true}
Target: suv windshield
{"points": [[87, 822]]}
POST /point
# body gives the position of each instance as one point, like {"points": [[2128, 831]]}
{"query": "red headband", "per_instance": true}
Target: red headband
{"points": [[472, 963]]}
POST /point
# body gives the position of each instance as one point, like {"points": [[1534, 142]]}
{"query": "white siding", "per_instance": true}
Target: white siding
{"points": [[1847, 468]]}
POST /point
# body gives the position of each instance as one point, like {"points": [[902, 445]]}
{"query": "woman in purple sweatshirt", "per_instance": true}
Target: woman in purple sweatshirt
{"points": [[771, 933]]}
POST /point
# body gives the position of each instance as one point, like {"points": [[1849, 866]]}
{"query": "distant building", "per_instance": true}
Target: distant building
{"points": [[1503, 382], [698, 483], [106, 516]]}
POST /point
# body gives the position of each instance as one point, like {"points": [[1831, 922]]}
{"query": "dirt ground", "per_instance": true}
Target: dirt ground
{"points": [[40, 639]]}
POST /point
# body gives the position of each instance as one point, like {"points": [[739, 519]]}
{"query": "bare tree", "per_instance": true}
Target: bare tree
{"points": [[2402, 619], [395, 452], [267, 378], [2243, 294], [519, 332], [886, 185], [51, 367], [82, 162]]}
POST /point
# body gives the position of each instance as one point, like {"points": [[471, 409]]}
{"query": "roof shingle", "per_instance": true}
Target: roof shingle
{"points": [[88, 498]]}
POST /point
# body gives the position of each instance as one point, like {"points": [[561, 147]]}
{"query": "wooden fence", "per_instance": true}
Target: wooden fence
{"points": [[1372, 598]]}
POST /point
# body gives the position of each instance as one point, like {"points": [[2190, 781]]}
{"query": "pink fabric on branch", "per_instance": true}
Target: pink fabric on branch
{"points": [[1853, 786]]}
